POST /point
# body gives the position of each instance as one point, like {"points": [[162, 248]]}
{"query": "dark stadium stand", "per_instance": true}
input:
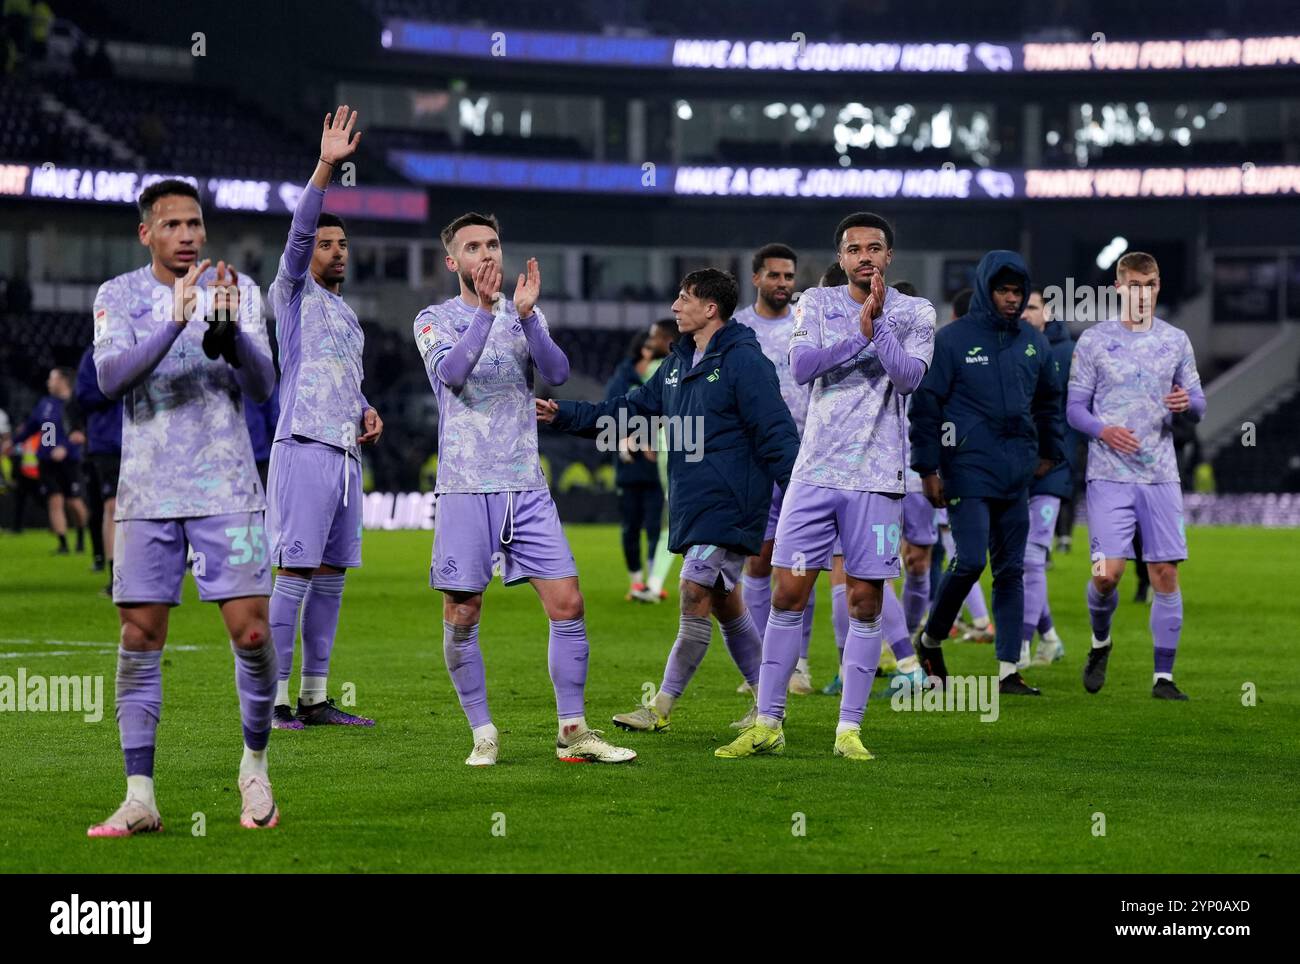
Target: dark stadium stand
{"points": [[1273, 463], [30, 132], [192, 134]]}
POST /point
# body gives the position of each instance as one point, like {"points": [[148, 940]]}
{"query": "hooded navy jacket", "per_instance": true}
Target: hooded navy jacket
{"points": [[995, 381], [720, 492], [1058, 482]]}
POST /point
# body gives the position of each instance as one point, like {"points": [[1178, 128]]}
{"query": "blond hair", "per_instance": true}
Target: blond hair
{"points": [[1138, 262]]}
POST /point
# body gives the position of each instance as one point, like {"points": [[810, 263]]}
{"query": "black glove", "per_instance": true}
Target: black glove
{"points": [[219, 340]]}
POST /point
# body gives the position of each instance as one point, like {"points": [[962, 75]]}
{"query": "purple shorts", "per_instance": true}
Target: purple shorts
{"points": [[515, 533], [773, 514], [307, 522], [1156, 509], [229, 558], [869, 524], [705, 565], [1043, 510], [918, 520]]}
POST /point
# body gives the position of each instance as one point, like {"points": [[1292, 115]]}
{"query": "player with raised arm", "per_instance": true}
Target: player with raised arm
{"points": [[314, 486], [494, 511], [863, 347], [1130, 376], [187, 481]]}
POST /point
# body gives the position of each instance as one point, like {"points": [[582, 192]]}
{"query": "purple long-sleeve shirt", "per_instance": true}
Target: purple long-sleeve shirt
{"points": [[1120, 377], [477, 366], [856, 433], [185, 448], [321, 343]]}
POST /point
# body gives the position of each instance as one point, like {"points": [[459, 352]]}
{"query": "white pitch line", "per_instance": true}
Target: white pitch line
{"points": [[179, 648]]}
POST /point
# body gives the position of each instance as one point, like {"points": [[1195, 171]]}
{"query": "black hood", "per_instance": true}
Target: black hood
{"points": [[981, 304]]}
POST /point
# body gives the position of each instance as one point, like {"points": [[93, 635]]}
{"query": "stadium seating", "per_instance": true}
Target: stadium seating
{"points": [[1273, 463]]}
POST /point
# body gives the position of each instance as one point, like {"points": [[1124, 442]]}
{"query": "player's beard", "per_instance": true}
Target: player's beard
{"points": [[467, 280], [774, 306]]}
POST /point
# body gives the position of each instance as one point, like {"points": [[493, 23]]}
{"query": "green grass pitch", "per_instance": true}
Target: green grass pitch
{"points": [[1207, 785]]}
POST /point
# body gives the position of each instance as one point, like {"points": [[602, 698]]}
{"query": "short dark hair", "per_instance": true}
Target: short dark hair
{"points": [[448, 234], [710, 284], [67, 374], [327, 220], [905, 288], [834, 276], [164, 188], [961, 301], [668, 326], [774, 250], [865, 219]]}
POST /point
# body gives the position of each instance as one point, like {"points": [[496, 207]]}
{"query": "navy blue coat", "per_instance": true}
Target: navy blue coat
{"points": [[1058, 481], [719, 493], [995, 381], [103, 414], [640, 471]]}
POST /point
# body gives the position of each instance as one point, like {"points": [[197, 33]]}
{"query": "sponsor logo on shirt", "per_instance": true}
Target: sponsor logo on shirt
{"points": [[671, 380], [973, 357]]}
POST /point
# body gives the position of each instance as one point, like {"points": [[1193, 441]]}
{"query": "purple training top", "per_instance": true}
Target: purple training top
{"points": [[185, 447], [320, 344], [477, 363]]}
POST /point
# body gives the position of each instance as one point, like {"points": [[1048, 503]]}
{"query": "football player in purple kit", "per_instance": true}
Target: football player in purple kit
{"points": [[1129, 376], [187, 479], [314, 485], [774, 266], [493, 509], [863, 346]]}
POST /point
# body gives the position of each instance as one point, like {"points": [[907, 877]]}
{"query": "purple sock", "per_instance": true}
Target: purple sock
{"points": [[757, 593], [1100, 610], [286, 604], [840, 616], [255, 675], [861, 656], [745, 646], [139, 707], [465, 666], [1166, 626], [894, 625], [1035, 579], [807, 623], [780, 653], [320, 622], [916, 598], [693, 635], [1045, 623], [566, 655], [975, 602]]}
